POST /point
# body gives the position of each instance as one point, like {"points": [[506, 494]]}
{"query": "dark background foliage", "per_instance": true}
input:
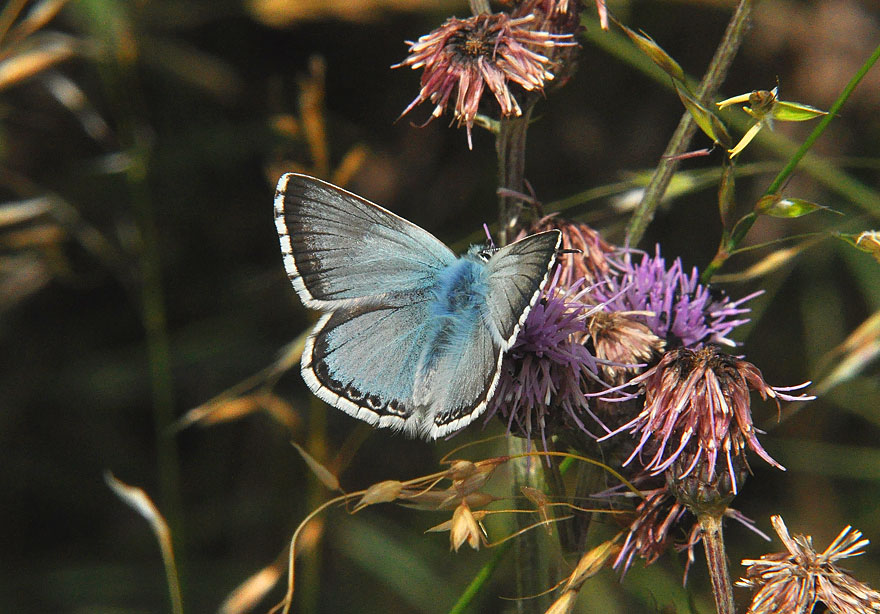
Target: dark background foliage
{"points": [[199, 94]]}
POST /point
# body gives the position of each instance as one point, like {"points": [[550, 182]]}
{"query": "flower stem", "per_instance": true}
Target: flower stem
{"points": [[480, 7], [510, 146], [686, 129], [532, 570], [716, 559]]}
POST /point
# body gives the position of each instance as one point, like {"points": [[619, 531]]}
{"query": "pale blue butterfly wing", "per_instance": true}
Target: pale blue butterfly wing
{"points": [[363, 360], [414, 336], [338, 246]]}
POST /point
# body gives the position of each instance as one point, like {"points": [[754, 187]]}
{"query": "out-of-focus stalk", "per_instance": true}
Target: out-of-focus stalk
{"points": [[686, 129]]}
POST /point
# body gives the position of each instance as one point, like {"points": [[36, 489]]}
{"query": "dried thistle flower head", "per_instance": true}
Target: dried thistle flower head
{"points": [[591, 263], [622, 342], [469, 55], [652, 531], [796, 580], [556, 17], [659, 519], [697, 406]]}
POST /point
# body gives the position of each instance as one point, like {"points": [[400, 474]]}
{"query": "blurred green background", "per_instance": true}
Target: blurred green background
{"points": [[137, 230]]}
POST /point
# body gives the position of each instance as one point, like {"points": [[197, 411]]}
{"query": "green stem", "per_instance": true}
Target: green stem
{"points": [[532, 569], [8, 15], [716, 559], [480, 580], [110, 23], [747, 222], [686, 129]]}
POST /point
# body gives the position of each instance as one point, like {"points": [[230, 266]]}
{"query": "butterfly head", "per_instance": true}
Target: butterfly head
{"points": [[482, 252]]}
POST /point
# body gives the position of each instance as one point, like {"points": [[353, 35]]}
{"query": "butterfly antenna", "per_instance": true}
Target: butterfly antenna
{"points": [[489, 236]]}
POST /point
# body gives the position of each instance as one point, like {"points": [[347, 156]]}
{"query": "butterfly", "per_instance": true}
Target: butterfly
{"points": [[413, 336]]}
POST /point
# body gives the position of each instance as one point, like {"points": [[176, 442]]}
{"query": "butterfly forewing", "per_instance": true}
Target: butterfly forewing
{"points": [[517, 274], [339, 247]]}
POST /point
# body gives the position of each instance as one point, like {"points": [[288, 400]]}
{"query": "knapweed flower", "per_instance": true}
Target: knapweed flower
{"points": [[545, 375], [677, 308], [796, 580], [697, 406], [488, 50]]}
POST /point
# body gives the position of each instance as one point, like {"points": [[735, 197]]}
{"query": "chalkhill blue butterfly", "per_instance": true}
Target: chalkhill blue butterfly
{"points": [[413, 335]]}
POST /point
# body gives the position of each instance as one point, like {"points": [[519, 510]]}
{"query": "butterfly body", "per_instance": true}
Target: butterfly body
{"points": [[414, 335]]}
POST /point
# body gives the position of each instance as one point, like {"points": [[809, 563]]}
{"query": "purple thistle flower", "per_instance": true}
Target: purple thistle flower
{"points": [[678, 308], [547, 372]]}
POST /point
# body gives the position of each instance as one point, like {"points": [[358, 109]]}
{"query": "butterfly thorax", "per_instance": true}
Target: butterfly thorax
{"points": [[461, 289]]}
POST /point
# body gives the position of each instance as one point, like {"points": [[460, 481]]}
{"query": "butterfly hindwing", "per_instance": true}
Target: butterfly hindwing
{"points": [[462, 379], [339, 247], [363, 360]]}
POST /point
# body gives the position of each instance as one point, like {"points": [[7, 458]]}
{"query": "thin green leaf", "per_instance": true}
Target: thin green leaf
{"points": [[776, 206], [867, 241], [321, 472], [37, 16], [138, 500], [16, 212], [852, 357], [41, 54], [795, 112], [654, 51]]}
